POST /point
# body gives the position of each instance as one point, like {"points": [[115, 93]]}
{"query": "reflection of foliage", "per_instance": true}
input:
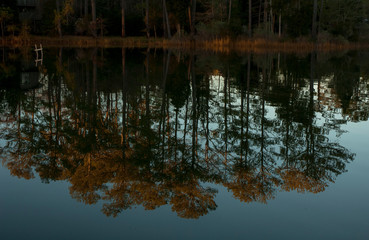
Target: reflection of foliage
{"points": [[178, 88], [192, 201], [250, 186], [129, 137], [6, 71], [293, 179]]}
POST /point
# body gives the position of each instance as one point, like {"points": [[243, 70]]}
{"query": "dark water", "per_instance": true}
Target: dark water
{"points": [[138, 144]]}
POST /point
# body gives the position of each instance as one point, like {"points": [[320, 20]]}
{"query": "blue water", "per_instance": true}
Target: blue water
{"points": [[30, 209], [98, 103]]}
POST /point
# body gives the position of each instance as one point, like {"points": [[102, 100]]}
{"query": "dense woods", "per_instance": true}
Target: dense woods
{"points": [[322, 20]]}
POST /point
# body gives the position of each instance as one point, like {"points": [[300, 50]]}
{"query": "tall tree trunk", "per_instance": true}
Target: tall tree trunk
{"points": [[259, 15], [250, 18], [147, 19], [166, 19], [123, 5], [212, 9], [193, 14], [59, 18], [265, 14], [314, 25], [2, 29], [320, 14], [93, 14], [86, 8], [271, 17], [280, 25], [80, 8], [229, 11]]}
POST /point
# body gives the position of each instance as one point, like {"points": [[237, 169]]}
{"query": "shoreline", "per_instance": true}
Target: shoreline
{"points": [[222, 45]]}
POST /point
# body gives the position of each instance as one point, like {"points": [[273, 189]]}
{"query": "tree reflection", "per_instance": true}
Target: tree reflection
{"points": [[151, 128]]}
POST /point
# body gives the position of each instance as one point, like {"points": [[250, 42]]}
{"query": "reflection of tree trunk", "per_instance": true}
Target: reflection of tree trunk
{"points": [[33, 108], [58, 120], [242, 116], [93, 92], [185, 131], [248, 105], [147, 98], [124, 121], [243, 144], [163, 103], [288, 132], [262, 120], [86, 98], [88, 163], [168, 125], [49, 89], [162, 125], [94, 77], [19, 122], [116, 110], [207, 120], [124, 100], [311, 104], [147, 84], [194, 109], [226, 115], [175, 135]]}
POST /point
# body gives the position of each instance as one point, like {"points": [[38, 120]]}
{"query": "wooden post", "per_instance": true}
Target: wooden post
{"points": [[37, 50]]}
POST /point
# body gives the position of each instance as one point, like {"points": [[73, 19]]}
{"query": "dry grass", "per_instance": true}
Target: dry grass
{"points": [[75, 41], [226, 45], [221, 45]]}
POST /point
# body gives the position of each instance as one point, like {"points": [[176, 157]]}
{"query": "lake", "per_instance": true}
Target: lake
{"points": [[163, 144]]}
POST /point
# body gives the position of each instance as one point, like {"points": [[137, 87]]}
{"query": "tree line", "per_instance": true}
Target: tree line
{"points": [[318, 19]]}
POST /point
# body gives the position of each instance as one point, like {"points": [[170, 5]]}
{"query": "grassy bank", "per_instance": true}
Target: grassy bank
{"points": [[223, 45]]}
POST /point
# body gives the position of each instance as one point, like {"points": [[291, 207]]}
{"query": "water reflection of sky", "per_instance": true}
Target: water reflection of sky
{"points": [[31, 209]]}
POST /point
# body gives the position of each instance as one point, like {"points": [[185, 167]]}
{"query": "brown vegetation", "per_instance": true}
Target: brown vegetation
{"points": [[222, 45]]}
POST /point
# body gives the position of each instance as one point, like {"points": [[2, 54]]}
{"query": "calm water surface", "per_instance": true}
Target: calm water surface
{"points": [[138, 144]]}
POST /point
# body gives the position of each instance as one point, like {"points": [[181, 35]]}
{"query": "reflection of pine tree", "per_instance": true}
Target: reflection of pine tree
{"points": [[311, 161], [164, 129]]}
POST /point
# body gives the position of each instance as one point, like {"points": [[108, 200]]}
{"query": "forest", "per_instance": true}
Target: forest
{"points": [[310, 20]]}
